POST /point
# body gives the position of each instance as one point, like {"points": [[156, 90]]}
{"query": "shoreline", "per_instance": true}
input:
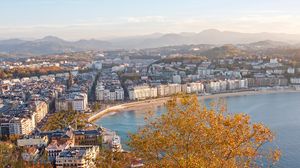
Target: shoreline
{"points": [[163, 100]]}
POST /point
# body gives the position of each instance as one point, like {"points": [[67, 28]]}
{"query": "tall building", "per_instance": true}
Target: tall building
{"points": [[70, 80], [20, 126], [41, 110]]}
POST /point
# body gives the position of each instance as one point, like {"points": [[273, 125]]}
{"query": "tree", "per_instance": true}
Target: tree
{"points": [[192, 135], [61, 120], [109, 159], [96, 106], [9, 155]]}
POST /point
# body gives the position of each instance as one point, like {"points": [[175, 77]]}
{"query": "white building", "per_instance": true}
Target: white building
{"points": [[40, 109], [243, 84], [168, 90], [224, 85], [237, 84], [233, 84], [295, 81], [21, 126], [109, 93], [142, 92], [119, 93], [73, 101], [291, 70], [214, 86], [195, 87], [80, 102]]}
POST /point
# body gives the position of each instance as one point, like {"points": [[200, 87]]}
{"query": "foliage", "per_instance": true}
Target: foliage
{"points": [[186, 58], [192, 135], [7, 154], [129, 76], [27, 72], [109, 159], [96, 106], [10, 155], [61, 120]]}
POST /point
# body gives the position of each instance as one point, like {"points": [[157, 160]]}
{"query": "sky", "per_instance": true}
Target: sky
{"points": [[107, 19]]}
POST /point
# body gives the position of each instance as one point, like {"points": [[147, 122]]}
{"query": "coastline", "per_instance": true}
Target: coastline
{"points": [[130, 105], [163, 100]]}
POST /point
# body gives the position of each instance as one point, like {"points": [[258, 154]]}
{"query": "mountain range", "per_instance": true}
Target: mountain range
{"points": [[52, 44]]}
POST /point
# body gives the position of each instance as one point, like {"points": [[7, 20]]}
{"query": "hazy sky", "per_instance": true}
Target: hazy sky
{"points": [[75, 19]]}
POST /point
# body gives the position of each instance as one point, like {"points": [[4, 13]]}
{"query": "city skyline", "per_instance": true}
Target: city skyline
{"points": [[78, 19]]}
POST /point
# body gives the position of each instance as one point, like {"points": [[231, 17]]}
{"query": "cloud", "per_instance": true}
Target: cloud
{"points": [[253, 22], [145, 19]]}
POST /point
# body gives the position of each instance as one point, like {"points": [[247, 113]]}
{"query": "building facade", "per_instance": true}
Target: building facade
{"points": [[72, 101], [77, 156]]}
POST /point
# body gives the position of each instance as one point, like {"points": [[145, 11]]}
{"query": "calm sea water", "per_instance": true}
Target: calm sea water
{"points": [[280, 112]]}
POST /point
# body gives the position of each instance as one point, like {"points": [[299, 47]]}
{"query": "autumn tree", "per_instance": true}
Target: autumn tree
{"points": [[109, 159], [63, 119], [192, 135], [10, 155], [96, 106]]}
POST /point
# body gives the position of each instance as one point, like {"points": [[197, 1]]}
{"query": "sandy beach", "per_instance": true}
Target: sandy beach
{"points": [[161, 101]]}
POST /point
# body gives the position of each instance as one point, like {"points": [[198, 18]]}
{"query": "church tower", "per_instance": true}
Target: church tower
{"points": [[70, 80]]}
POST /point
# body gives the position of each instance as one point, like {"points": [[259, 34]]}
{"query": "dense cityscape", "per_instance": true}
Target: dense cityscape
{"points": [[109, 78], [149, 84]]}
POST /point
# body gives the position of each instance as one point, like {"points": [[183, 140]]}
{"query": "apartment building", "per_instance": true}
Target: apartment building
{"points": [[194, 87], [21, 126], [224, 85], [77, 156], [109, 93], [41, 110], [75, 101], [142, 92], [168, 90], [295, 81], [87, 137]]}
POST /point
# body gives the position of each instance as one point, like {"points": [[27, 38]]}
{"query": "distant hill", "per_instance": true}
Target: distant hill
{"points": [[211, 36], [224, 51], [266, 44], [243, 41], [49, 45]]}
